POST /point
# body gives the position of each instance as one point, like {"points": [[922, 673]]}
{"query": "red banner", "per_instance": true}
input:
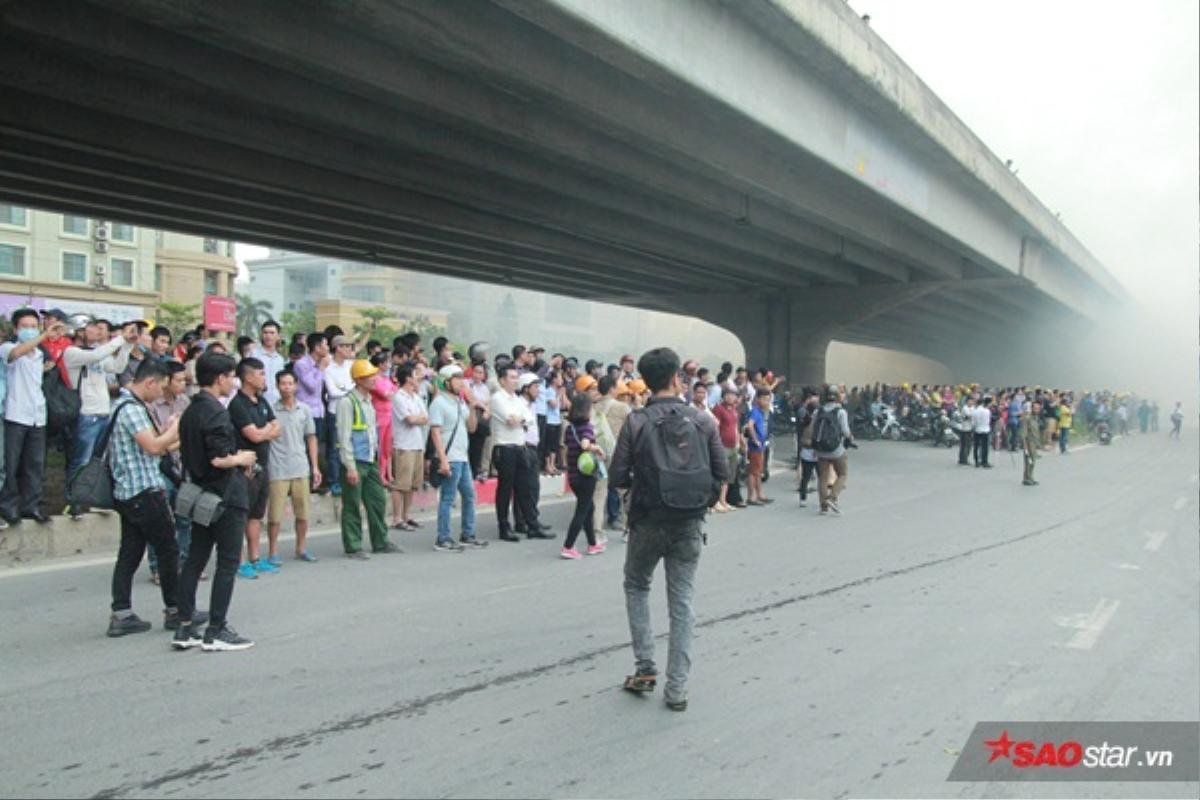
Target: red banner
{"points": [[220, 314]]}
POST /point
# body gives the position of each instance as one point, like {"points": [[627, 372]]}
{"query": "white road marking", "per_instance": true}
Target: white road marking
{"points": [[1154, 540], [1181, 504], [1092, 625], [1127, 566]]}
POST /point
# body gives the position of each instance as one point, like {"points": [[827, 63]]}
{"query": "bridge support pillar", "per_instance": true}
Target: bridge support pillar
{"points": [[790, 333]]}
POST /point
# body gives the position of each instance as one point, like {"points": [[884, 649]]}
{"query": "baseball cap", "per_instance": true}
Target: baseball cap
{"points": [[341, 340], [57, 313], [537, 349]]}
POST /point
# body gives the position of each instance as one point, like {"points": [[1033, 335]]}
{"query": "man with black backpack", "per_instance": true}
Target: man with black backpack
{"points": [[669, 456], [831, 433]]}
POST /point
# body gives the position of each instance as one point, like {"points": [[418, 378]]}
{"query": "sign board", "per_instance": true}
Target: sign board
{"points": [[220, 314]]}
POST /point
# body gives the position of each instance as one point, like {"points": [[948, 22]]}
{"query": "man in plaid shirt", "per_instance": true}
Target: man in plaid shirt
{"points": [[135, 448]]}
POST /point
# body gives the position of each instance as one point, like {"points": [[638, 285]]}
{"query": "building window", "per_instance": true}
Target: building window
{"points": [[158, 272], [210, 281], [12, 259], [74, 267], [211, 246], [121, 270], [73, 225], [13, 215], [122, 232]]}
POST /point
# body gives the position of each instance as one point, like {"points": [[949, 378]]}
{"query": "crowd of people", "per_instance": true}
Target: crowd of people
{"points": [[216, 443]]}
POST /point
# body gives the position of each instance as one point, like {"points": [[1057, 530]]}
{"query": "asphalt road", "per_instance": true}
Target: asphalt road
{"points": [[834, 657]]}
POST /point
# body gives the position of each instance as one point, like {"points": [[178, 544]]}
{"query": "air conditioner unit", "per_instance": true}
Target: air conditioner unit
{"points": [[101, 247], [101, 232], [101, 270]]}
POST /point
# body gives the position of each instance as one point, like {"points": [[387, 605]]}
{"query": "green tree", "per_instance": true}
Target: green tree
{"points": [[302, 321], [179, 317], [251, 314]]}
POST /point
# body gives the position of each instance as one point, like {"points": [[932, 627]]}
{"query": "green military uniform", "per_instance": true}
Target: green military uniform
{"points": [[358, 448], [1029, 433]]}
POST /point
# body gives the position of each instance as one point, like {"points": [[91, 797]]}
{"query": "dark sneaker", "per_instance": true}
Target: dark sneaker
{"points": [[390, 547], [225, 639], [171, 619], [358, 555], [473, 542], [448, 546], [677, 705], [541, 532], [186, 638], [131, 624], [509, 536]]}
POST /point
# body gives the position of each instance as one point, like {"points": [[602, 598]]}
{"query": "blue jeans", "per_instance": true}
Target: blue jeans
{"points": [[1063, 435], [183, 532], [612, 507], [458, 479], [87, 430]]}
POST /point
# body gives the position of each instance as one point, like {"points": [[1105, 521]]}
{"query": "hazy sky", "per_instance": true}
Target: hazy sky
{"points": [[1098, 106]]}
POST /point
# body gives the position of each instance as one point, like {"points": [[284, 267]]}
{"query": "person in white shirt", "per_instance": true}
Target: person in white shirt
{"points": [[512, 418], [87, 369], [338, 384], [982, 416], [267, 351], [528, 488], [24, 419], [410, 421]]}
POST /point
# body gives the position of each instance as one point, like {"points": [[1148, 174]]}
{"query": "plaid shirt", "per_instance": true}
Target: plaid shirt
{"points": [[133, 469]]}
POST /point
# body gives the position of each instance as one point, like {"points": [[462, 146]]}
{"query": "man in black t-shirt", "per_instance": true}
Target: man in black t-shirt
{"points": [[255, 424], [212, 460]]}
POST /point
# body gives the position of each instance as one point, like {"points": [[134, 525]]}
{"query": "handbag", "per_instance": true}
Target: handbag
{"points": [[436, 478], [200, 506], [92, 484]]}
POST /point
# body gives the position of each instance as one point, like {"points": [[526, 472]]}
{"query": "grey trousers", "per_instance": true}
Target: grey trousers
{"points": [[678, 545]]}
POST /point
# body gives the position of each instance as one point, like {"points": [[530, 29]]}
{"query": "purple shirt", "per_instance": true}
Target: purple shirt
{"points": [[575, 445], [310, 379]]}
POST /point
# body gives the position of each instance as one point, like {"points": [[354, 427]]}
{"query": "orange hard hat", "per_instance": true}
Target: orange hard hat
{"points": [[584, 382]]}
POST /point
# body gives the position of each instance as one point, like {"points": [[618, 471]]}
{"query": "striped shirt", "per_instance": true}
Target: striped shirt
{"points": [[575, 434], [133, 469]]}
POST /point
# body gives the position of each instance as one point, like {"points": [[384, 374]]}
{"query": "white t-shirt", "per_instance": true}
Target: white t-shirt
{"points": [[337, 383], [982, 418], [405, 436]]}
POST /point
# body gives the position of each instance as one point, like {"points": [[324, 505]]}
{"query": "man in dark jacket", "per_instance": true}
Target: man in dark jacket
{"points": [[657, 532]]}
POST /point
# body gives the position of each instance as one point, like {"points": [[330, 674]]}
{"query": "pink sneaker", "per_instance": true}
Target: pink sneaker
{"points": [[595, 549], [569, 553]]}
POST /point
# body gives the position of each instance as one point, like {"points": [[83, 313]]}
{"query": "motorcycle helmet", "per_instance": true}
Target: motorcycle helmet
{"points": [[478, 352], [830, 394]]}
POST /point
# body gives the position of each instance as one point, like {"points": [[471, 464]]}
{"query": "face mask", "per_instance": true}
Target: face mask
{"points": [[27, 334]]}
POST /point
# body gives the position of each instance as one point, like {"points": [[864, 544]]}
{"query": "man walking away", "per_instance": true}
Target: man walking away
{"points": [[831, 432], [1030, 435], [358, 448], [1176, 421], [966, 432], [982, 416], [140, 497], [212, 461], [805, 419], [669, 496]]}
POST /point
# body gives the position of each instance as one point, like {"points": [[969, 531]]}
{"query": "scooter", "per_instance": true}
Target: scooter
{"points": [[944, 434], [1103, 432], [888, 425]]}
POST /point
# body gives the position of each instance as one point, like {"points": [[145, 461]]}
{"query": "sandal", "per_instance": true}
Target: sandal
{"points": [[641, 683], [412, 524]]}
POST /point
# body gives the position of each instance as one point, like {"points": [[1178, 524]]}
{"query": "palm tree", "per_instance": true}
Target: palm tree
{"points": [[251, 314]]}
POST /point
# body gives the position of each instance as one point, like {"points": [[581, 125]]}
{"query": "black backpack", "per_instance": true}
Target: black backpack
{"points": [[62, 402], [827, 431], [672, 469]]}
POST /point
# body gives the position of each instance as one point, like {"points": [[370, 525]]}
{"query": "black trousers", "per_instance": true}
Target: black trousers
{"points": [[807, 470], [964, 446], [24, 466], [516, 475], [475, 442], [226, 535], [584, 487], [146, 519], [981, 448]]}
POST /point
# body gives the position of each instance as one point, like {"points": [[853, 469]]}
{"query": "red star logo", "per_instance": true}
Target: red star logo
{"points": [[1000, 747]]}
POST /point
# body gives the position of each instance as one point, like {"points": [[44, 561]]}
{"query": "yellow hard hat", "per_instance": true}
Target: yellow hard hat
{"points": [[362, 368]]}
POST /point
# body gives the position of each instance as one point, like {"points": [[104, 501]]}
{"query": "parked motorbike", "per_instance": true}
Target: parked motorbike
{"points": [[1103, 432]]}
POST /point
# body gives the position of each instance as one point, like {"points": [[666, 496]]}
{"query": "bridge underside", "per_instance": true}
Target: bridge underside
{"points": [[513, 144]]}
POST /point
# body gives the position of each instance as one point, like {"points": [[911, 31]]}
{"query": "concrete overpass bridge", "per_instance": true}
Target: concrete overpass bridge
{"points": [[768, 165]]}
